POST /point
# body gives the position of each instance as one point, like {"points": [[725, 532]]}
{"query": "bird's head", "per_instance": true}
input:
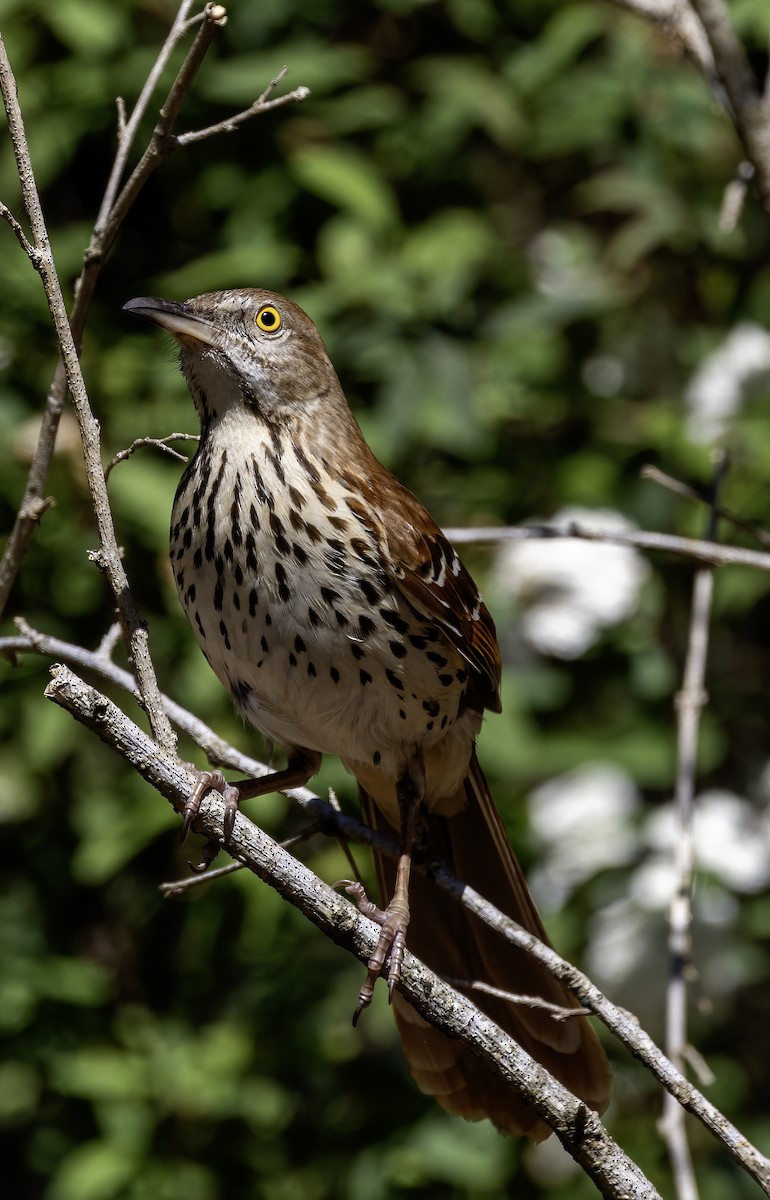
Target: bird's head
{"points": [[245, 347]]}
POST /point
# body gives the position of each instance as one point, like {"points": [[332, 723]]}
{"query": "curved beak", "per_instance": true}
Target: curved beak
{"points": [[176, 317]]}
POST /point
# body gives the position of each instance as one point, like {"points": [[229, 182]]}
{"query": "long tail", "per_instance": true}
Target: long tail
{"points": [[452, 942]]}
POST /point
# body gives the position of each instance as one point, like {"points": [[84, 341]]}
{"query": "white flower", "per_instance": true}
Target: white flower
{"points": [[731, 839], [583, 822], [569, 591], [717, 389]]}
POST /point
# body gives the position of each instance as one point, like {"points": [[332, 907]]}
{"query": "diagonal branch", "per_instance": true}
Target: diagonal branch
{"points": [[578, 1128], [108, 557], [90, 707]]}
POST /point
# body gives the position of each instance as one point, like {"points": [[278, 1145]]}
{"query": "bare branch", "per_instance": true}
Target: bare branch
{"points": [[108, 557], [655, 475], [114, 207], [329, 820], [338, 824], [161, 444], [579, 1129], [704, 28], [231, 123], [690, 702], [699, 551], [557, 1011]]}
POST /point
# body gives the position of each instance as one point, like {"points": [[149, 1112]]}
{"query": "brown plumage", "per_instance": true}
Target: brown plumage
{"points": [[342, 621]]}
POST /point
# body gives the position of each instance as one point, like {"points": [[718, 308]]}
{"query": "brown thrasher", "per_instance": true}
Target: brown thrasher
{"points": [[342, 622]]}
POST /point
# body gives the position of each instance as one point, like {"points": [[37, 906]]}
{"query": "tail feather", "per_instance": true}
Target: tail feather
{"points": [[453, 942]]}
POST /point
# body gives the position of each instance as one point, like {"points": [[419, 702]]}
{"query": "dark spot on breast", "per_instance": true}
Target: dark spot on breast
{"points": [[253, 601], [335, 675], [365, 677], [201, 630], [461, 675], [279, 537], [418, 642], [444, 720], [370, 591], [357, 651], [445, 680], [228, 551], [376, 758], [299, 553], [268, 619], [241, 690], [292, 659], [341, 618], [238, 574], [314, 533], [402, 714], [366, 625], [236, 601], [391, 617], [311, 669], [254, 518], [283, 590], [394, 680], [198, 559], [429, 725], [328, 595], [432, 707], [225, 635], [297, 499], [398, 649], [299, 645], [218, 595], [313, 616], [434, 657], [263, 644]]}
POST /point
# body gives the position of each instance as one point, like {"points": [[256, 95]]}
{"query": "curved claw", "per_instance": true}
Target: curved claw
{"points": [[206, 779], [230, 796], [209, 852]]}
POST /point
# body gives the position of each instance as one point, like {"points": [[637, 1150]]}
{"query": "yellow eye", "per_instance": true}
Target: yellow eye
{"points": [[268, 319]]}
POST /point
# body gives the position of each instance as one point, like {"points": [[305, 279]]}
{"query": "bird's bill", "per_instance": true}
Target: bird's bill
{"points": [[175, 317]]}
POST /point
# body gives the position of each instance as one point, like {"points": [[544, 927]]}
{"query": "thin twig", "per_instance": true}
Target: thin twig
{"points": [[557, 1011], [108, 557], [690, 703], [112, 212], [749, 107], [679, 488], [161, 444], [33, 504], [699, 551], [230, 124]]}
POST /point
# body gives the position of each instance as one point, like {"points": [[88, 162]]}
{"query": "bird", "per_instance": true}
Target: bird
{"points": [[342, 621]]}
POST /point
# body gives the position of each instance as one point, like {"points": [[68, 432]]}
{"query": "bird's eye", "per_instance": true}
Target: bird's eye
{"points": [[268, 318]]}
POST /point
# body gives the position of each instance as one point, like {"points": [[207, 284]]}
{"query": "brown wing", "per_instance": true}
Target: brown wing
{"points": [[429, 573]]}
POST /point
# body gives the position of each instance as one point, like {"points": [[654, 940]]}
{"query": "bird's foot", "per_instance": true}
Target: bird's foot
{"points": [[217, 782], [393, 922]]}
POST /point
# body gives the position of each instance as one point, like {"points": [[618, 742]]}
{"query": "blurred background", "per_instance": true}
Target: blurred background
{"points": [[504, 216]]}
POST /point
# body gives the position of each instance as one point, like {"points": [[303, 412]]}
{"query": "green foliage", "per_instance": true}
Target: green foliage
{"points": [[504, 218]]}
